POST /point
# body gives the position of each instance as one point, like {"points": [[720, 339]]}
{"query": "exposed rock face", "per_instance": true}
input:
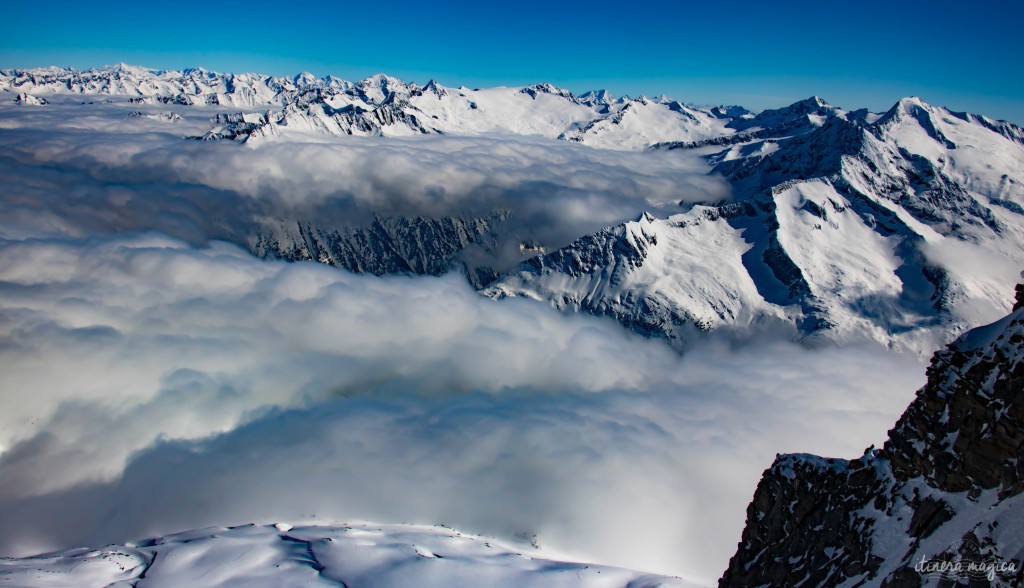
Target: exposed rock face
{"points": [[948, 486], [388, 245], [24, 99]]}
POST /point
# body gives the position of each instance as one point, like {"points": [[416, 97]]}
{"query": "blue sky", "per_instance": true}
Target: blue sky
{"points": [[962, 55]]}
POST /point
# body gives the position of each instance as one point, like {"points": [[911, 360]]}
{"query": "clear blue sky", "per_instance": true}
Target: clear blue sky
{"points": [[965, 55]]}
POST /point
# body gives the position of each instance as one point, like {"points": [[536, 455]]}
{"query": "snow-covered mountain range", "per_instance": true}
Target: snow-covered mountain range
{"points": [[189, 87], [941, 504], [879, 226], [383, 105], [902, 227]]}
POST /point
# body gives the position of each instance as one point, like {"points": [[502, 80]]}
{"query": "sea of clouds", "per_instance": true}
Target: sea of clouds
{"points": [[156, 377], [94, 170]]}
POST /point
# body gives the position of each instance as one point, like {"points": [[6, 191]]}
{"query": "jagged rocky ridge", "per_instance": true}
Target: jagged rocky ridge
{"points": [[947, 486], [389, 245]]}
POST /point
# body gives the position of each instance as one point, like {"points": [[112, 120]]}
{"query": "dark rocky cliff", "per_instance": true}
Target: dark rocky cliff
{"points": [[941, 504]]}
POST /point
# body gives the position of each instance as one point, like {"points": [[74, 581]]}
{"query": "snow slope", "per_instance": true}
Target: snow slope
{"points": [[360, 554]]}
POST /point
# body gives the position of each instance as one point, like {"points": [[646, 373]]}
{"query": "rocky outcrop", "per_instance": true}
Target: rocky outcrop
{"points": [[942, 503], [387, 245], [24, 99]]}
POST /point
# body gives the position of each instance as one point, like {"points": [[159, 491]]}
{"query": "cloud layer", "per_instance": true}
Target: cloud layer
{"points": [[158, 378], [76, 172], [151, 386]]}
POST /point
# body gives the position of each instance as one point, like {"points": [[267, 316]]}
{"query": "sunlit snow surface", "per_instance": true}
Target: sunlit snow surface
{"points": [[364, 555]]}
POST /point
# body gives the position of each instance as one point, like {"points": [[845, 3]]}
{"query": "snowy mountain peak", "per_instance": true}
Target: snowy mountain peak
{"points": [[336, 82], [805, 106], [202, 75], [307, 79], [382, 82], [912, 101], [533, 90], [434, 88], [913, 116], [48, 70], [800, 116], [911, 106], [134, 70], [729, 111], [597, 97]]}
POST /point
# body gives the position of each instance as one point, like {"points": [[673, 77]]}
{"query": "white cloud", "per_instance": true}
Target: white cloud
{"points": [[150, 386], [101, 172]]}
